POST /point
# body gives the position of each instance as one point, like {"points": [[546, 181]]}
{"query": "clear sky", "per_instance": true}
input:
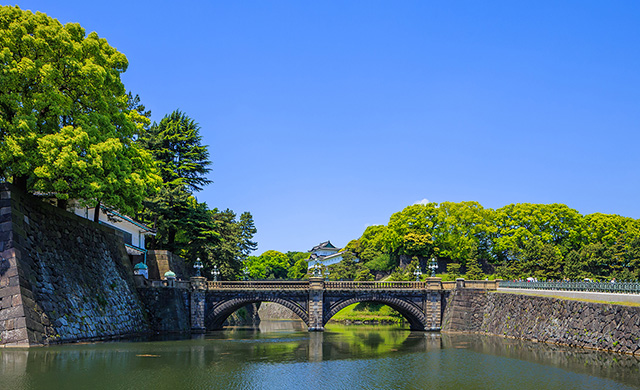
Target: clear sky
{"points": [[325, 117]]}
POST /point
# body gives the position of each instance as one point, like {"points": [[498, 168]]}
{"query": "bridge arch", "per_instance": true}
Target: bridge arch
{"points": [[222, 310], [413, 314]]}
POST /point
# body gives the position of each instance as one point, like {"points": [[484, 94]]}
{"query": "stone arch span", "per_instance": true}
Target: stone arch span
{"points": [[412, 313], [222, 310]]}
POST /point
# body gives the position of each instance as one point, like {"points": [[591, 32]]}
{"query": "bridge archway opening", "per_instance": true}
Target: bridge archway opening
{"points": [[412, 314], [216, 319]]}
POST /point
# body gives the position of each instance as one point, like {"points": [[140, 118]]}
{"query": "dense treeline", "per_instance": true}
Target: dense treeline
{"points": [[519, 240]]}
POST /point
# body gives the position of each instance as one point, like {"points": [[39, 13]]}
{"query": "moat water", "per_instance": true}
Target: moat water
{"points": [[283, 355]]}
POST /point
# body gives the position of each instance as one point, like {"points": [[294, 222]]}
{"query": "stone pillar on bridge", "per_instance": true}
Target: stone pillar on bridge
{"points": [[198, 289], [433, 304], [316, 304]]}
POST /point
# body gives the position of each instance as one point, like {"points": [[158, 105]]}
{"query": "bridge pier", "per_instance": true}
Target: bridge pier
{"points": [[198, 291], [316, 304]]}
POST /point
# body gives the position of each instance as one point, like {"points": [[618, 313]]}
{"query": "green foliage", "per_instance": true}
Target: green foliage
{"points": [[381, 262], [474, 272], [269, 265], [453, 269], [66, 126], [184, 225], [405, 274], [247, 231], [368, 311], [225, 250], [299, 270], [175, 143], [363, 274], [347, 269], [298, 265], [520, 240]]}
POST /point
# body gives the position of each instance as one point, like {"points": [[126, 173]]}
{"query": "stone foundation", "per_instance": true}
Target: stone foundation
{"points": [[550, 320], [62, 278]]}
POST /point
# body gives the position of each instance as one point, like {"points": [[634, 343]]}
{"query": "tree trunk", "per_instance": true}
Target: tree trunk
{"points": [[96, 213], [171, 239], [62, 203], [20, 181]]}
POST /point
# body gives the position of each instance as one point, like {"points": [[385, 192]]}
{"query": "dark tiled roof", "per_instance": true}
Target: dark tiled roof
{"points": [[323, 245]]}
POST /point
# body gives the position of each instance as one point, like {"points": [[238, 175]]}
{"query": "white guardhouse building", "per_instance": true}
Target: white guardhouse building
{"points": [[325, 254], [133, 232]]}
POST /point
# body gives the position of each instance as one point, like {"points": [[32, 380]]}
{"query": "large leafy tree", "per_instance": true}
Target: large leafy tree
{"points": [[65, 127], [269, 265]]}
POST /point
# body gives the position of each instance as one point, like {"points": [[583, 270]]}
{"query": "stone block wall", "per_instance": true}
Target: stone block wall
{"points": [[161, 261], [551, 320], [62, 278], [168, 309]]}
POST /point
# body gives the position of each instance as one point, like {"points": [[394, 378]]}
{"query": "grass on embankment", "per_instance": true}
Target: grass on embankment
{"points": [[634, 304], [367, 312]]}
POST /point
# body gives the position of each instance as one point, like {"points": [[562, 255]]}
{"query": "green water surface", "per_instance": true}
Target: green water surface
{"points": [[283, 355]]}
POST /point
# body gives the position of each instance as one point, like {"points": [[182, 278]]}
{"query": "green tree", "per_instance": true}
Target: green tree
{"points": [[247, 231], [182, 160], [364, 274], [299, 270], [65, 127], [474, 272], [269, 265], [177, 146], [347, 269], [224, 251], [409, 231], [298, 265]]}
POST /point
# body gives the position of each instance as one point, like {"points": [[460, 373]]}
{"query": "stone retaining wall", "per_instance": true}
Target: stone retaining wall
{"points": [[168, 309], [274, 311], [551, 320], [161, 261], [62, 277]]}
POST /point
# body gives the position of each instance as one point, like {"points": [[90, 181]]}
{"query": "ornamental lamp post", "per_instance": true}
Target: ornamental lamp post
{"points": [[417, 273], [198, 266], [433, 266], [317, 270], [245, 271], [215, 273]]}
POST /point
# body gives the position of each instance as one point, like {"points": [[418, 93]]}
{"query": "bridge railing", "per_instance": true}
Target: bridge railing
{"points": [[448, 285], [482, 284], [170, 283], [259, 285], [373, 285], [617, 287]]}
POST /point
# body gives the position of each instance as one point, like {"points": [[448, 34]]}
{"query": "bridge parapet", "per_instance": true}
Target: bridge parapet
{"points": [[354, 285], [316, 301], [259, 285]]}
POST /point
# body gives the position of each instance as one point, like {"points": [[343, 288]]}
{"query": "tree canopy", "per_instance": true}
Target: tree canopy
{"points": [[545, 241], [65, 126]]}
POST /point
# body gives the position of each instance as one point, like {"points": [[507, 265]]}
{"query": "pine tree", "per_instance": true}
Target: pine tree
{"points": [[176, 145]]}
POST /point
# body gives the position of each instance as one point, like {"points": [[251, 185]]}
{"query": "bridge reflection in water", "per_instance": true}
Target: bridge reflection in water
{"points": [[280, 353]]}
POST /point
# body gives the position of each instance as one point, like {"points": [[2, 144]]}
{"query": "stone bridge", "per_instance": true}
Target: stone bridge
{"points": [[315, 301]]}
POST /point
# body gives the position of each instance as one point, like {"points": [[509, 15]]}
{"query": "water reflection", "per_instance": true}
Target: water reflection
{"points": [[282, 353], [623, 368]]}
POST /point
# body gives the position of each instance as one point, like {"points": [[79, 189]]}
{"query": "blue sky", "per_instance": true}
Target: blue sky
{"points": [[325, 117]]}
